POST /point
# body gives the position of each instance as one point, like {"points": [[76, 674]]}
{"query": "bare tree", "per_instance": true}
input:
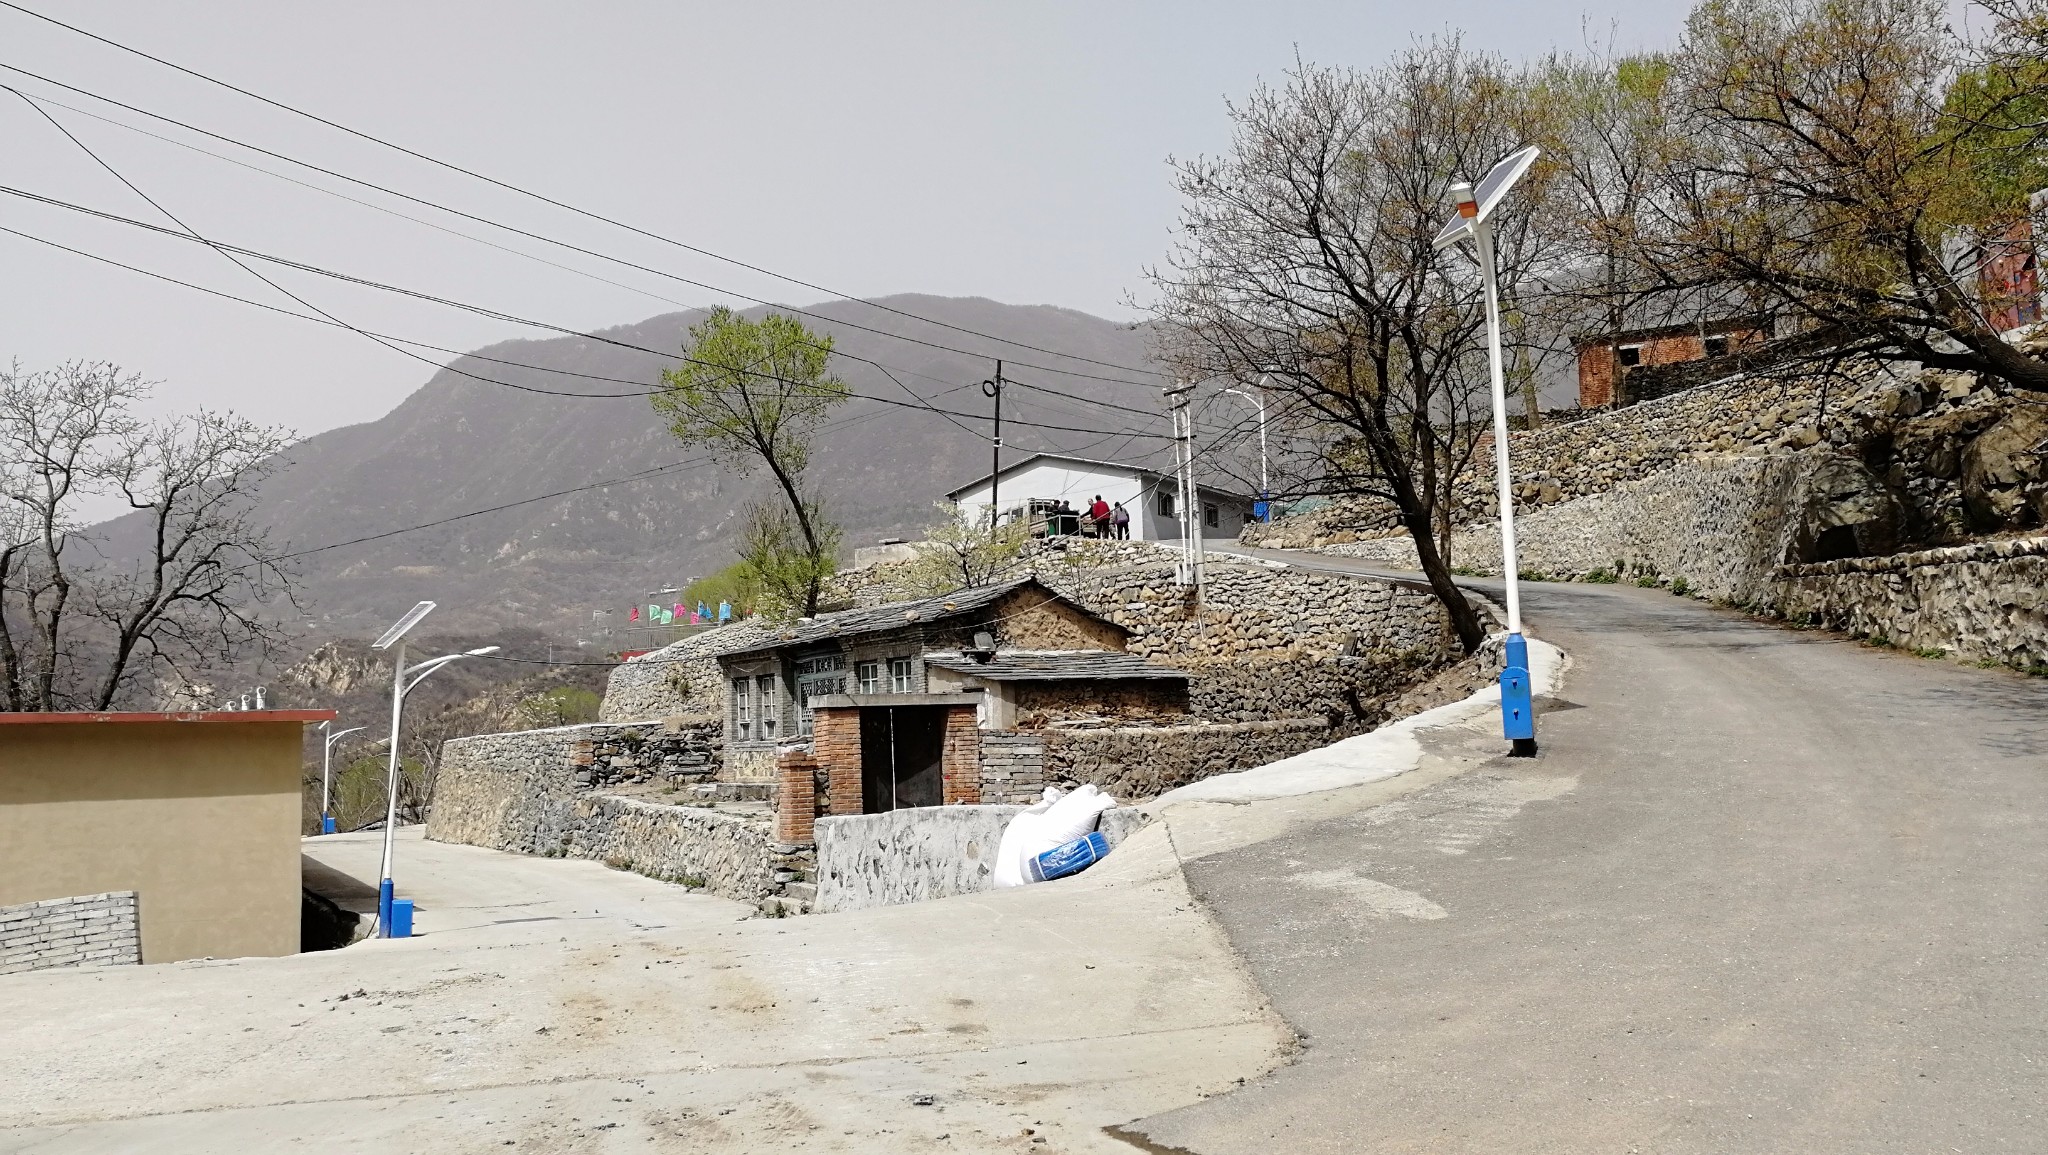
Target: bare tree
{"points": [[1307, 257], [173, 590]]}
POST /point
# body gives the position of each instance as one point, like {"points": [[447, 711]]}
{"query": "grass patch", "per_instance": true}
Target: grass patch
{"points": [[1648, 583], [1601, 577], [1681, 587]]}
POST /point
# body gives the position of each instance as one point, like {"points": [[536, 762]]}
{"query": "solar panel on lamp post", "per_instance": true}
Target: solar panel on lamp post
{"points": [[1474, 222], [403, 679], [326, 763]]}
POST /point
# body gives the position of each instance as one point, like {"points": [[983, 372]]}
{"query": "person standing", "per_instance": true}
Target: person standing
{"points": [[1098, 512], [1120, 522]]}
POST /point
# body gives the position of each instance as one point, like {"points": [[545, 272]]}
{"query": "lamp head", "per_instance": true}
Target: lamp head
{"points": [[1468, 204], [480, 651]]}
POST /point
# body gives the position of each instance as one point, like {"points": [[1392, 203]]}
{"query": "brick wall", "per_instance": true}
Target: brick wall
{"points": [[835, 743], [960, 764], [796, 797], [91, 929]]}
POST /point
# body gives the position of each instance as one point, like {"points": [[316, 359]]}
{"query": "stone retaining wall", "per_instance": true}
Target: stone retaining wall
{"points": [[1135, 763], [680, 680], [1722, 525], [1983, 602], [87, 930], [542, 792]]}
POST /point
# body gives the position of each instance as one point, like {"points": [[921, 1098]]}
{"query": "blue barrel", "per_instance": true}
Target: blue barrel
{"points": [[327, 824], [1072, 858], [401, 918]]}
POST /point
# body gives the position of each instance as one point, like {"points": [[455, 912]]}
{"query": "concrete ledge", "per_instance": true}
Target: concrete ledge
{"points": [[922, 852]]}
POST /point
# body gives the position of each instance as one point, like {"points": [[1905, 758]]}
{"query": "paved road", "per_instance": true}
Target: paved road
{"points": [[1764, 891]]}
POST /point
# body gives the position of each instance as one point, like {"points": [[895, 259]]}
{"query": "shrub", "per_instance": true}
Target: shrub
{"points": [[1681, 587]]}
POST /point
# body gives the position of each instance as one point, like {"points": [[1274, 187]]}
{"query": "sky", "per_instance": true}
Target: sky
{"points": [[1012, 151]]}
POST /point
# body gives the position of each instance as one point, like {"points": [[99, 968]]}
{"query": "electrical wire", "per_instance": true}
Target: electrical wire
{"points": [[479, 310], [474, 175], [572, 247]]}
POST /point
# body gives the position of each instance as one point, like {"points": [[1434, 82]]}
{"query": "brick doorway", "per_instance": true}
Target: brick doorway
{"points": [[902, 757]]}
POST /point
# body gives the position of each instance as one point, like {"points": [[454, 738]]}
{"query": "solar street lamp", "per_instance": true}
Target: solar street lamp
{"points": [[1474, 223], [326, 762], [403, 679]]}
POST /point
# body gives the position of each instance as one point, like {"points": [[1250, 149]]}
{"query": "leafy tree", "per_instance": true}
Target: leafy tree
{"points": [[962, 552], [173, 589], [736, 585], [788, 558], [754, 393], [561, 706]]}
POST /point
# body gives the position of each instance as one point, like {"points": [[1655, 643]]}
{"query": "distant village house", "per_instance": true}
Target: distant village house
{"points": [[1033, 487]]}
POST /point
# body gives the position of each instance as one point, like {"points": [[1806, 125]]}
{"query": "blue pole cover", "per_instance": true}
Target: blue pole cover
{"points": [[384, 909], [1517, 706]]}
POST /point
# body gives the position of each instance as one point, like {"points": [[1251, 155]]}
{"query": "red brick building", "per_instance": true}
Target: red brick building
{"points": [[1649, 348]]}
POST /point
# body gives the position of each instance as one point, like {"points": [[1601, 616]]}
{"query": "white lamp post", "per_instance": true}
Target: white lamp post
{"points": [[326, 763], [1474, 222], [1265, 483], [403, 679]]}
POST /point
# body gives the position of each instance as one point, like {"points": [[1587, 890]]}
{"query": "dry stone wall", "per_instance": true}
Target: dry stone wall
{"points": [[86, 930], [1985, 602], [1722, 525], [545, 792], [679, 680], [1137, 763]]}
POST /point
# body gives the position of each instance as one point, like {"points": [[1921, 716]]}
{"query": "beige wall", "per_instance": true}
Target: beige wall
{"points": [[200, 818]]}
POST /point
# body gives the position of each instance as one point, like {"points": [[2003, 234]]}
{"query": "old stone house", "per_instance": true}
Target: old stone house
{"points": [[893, 700]]}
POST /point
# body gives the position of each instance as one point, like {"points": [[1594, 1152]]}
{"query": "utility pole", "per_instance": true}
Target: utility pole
{"points": [[993, 387], [1190, 517]]}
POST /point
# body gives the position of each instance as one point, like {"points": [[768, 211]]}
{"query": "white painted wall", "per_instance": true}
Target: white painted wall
{"points": [[1078, 484]]}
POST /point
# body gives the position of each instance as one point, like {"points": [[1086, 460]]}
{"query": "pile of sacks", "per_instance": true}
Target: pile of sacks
{"points": [[1053, 838]]}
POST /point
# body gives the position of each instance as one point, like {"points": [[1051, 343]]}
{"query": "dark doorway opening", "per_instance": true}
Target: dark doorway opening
{"points": [[901, 748]]}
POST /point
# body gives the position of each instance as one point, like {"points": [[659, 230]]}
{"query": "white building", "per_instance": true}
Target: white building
{"points": [[1043, 480]]}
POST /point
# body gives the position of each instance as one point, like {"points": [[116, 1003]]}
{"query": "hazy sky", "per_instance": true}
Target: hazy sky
{"points": [[1014, 151]]}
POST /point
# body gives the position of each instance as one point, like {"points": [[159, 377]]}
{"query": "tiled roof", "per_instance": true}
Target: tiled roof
{"points": [[1054, 666], [894, 616]]}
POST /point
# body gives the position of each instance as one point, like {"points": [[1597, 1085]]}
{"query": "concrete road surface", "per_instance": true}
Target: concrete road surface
{"points": [[1764, 891]]}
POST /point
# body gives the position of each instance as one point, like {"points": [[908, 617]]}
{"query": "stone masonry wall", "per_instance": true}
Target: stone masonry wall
{"points": [[677, 680], [1723, 525], [542, 792], [1986, 602], [87, 930], [1136, 763], [1012, 767]]}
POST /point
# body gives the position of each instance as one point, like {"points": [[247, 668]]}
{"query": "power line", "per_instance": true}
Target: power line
{"points": [[708, 287], [479, 310], [474, 175]]}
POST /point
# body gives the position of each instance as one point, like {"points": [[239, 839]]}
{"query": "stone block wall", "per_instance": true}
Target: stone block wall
{"points": [[1724, 525], [728, 854], [678, 680], [543, 792], [1136, 763], [1012, 767], [86, 930], [1983, 602]]}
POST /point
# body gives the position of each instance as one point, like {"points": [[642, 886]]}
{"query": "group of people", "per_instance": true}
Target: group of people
{"points": [[1101, 519]]}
